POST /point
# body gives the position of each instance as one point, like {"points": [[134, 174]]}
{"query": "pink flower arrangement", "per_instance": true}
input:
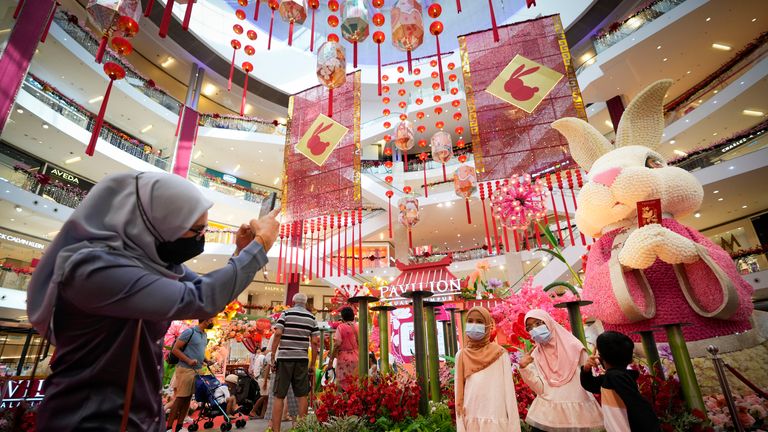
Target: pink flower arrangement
{"points": [[752, 411], [519, 202], [173, 332]]}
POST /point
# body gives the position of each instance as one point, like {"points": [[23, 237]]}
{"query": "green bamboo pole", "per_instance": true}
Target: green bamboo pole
{"points": [[384, 336], [651, 353], [362, 336], [574, 317], [418, 335], [453, 335], [463, 316], [433, 354], [684, 366], [447, 337]]}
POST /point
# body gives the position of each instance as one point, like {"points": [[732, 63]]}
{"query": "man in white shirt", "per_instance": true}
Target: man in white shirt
{"points": [[258, 359]]}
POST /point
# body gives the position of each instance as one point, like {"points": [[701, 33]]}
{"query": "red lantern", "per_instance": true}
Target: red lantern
{"points": [[460, 143], [242, 3], [388, 152], [333, 5], [401, 80], [452, 77], [438, 110], [333, 37], [115, 72], [387, 125], [434, 10], [248, 68], [378, 4], [385, 100], [435, 86], [127, 26], [378, 38], [457, 116], [423, 155], [422, 143], [433, 63], [421, 128], [402, 104], [385, 89], [462, 158], [386, 112], [437, 98], [240, 14], [388, 179], [401, 92], [420, 115], [451, 66], [238, 29], [456, 103], [388, 164], [249, 50], [459, 130], [235, 44], [378, 19], [435, 75], [388, 138], [333, 21], [455, 91], [400, 69], [403, 117], [416, 71], [121, 46], [252, 35], [436, 28], [273, 5], [417, 83], [419, 101], [314, 5], [439, 124], [385, 78], [407, 189], [389, 194]]}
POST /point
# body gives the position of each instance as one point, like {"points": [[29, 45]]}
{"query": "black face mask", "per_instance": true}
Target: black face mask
{"points": [[180, 250]]}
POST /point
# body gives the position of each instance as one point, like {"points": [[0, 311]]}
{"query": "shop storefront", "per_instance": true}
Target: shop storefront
{"points": [[19, 254], [745, 241]]}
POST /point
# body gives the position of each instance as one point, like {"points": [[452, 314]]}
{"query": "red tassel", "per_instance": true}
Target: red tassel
{"points": [[440, 63], [554, 209], [345, 242], [354, 272], [166, 21], [48, 24], [271, 23], [187, 15], [469, 215], [410, 239], [354, 54], [445, 177], [231, 70], [287, 252], [245, 92], [517, 240], [338, 249], [280, 256], [325, 226], [311, 242], [538, 234], [426, 188], [330, 102], [290, 33], [148, 10], [569, 177], [296, 246], [178, 122], [458, 6], [506, 236], [565, 206], [378, 47], [405, 161], [360, 237], [256, 10], [485, 218], [99, 121], [303, 241], [410, 62], [317, 250], [390, 217], [330, 249], [312, 35], [493, 221], [102, 48], [493, 22], [18, 9]]}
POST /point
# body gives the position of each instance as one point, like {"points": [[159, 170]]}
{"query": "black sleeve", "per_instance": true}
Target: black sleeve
{"points": [[589, 382]]}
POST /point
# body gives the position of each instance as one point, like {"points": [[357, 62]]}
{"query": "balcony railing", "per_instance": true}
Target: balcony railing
{"points": [[253, 193], [743, 143], [63, 105], [241, 124], [70, 25]]}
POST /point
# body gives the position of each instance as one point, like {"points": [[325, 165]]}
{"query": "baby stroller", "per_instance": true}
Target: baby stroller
{"points": [[212, 397], [247, 392]]}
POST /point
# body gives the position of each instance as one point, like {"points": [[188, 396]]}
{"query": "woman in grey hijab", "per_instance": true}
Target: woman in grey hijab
{"points": [[114, 277]]}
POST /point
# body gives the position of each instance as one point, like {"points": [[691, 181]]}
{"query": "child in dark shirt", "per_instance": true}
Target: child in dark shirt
{"points": [[624, 408]]}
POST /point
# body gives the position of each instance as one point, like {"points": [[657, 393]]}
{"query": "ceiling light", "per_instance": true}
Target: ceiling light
{"points": [[248, 109], [714, 133], [198, 154], [527, 262], [13, 220], [680, 153], [146, 129], [45, 126], [277, 180], [665, 59], [609, 124], [231, 149], [281, 120], [73, 160], [721, 47], [753, 113], [715, 92], [209, 89], [754, 19], [169, 61], [634, 22], [689, 72], [708, 18], [717, 191], [18, 209], [719, 199], [236, 168], [658, 47], [672, 141], [731, 167], [96, 99], [744, 206], [20, 111], [697, 215]]}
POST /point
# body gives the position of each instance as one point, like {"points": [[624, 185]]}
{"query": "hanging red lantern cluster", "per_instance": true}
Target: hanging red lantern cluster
{"points": [[436, 28], [314, 5], [118, 19], [115, 72]]}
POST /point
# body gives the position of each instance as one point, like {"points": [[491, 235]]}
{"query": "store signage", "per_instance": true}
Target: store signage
{"points": [[229, 179], [68, 178], [65, 175], [21, 241], [436, 287], [16, 391], [273, 288], [729, 244]]}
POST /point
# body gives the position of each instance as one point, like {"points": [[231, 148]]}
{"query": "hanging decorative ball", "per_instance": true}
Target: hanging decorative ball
{"points": [[333, 37], [403, 117], [238, 29], [435, 86], [386, 112], [387, 125], [388, 152], [389, 193], [385, 78], [437, 98], [457, 116], [249, 50], [416, 71], [240, 14], [388, 179], [439, 124], [423, 155], [127, 26], [378, 19], [401, 92], [456, 103], [378, 4], [455, 91], [401, 80], [452, 77], [460, 143], [462, 158], [331, 65], [242, 3], [333, 5], [313, 4], [438, 110], [388, 164], [247, 67], [404, 136], [422, 142], [388, 138], [421, 128], [402, 104], [434, 10], [385, 100], [442, 147], [420, 115], [459, 130], [407, 26], [114, 71], [433, 63], [400, 69], [407, 189], [419, 101], [436, 28], [417, 83], [121, 46], [385, 89], [519, 202], [333, 21], [252, 35], [451, 66], [434, 75], [234, 43]]}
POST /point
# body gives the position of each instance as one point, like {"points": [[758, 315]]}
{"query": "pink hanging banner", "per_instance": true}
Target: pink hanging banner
{"points": [[506, 139], [187, 138], [25, 35]]}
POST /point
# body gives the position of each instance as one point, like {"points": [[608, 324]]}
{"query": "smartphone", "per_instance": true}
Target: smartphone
{"points": [[268, 204]]}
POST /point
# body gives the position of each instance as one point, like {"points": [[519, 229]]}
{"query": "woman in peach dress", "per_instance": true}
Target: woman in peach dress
{"points": [[550, 370], [345, 348], [485, 391]]}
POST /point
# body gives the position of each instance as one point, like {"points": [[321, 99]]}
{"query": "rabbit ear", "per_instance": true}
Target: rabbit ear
{"points": [[643, 121], [587, 144]]}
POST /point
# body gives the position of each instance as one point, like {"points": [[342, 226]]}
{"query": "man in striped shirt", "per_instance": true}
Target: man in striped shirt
{"points": [[294, 331]]}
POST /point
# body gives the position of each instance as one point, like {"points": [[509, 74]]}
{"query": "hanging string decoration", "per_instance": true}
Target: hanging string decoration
{"points": [[314, 5], [247, 68], [423, 157], [519, 202], [465, 184], [165, 22], [273, 6], [436, 28], [409, 215], [106, 16], [115, 72], [354, 24], [236, 45], [293, 11], [407, 27]]}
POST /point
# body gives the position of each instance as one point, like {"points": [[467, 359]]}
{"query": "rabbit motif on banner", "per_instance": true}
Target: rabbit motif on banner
{"points": [[659, 274]]}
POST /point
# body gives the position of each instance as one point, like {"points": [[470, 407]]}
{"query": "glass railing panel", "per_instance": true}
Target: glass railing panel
{"points": [[617, 32], [246, 124], [741, 144], [254, 194]]}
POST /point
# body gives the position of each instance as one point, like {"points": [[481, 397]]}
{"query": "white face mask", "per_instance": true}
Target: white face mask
{"points": [[540, 334], [475, 331]]}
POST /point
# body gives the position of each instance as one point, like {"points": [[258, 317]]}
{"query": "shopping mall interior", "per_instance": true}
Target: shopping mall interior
{"points": [[226, 94]]}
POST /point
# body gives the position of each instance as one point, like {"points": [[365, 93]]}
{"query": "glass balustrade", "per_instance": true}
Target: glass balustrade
{"points": [[241, 124]]}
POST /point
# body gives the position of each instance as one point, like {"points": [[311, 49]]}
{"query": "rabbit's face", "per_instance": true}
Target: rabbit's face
{"points": [[624, 176]]}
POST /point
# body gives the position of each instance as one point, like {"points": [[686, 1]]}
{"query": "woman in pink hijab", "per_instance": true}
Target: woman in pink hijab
{"points": [[561, 403]]}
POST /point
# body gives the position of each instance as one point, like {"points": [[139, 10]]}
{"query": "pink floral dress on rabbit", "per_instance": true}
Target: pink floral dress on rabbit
{"points": [[672, 306]]}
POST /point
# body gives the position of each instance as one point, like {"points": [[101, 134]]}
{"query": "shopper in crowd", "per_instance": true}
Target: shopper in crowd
{"points": [[291, 408], [551, 371], [294, 331], [373, 366], [624, 408], [345, 348], [231, 406], [484, 386], [189, 348], [109, 285], [258, 364]]}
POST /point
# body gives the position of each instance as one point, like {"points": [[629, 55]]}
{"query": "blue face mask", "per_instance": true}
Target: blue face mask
{"points": [[475, 331], [541, 334]]}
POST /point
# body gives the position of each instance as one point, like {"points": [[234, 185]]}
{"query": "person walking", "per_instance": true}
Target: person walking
{"points": [[189, 348], [345, 349]]}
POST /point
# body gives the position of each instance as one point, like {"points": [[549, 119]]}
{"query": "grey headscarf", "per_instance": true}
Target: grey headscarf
{"points": [[110, 219]]}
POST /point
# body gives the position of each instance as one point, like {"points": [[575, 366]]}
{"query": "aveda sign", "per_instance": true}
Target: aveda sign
{"points": [[65, 175]]}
